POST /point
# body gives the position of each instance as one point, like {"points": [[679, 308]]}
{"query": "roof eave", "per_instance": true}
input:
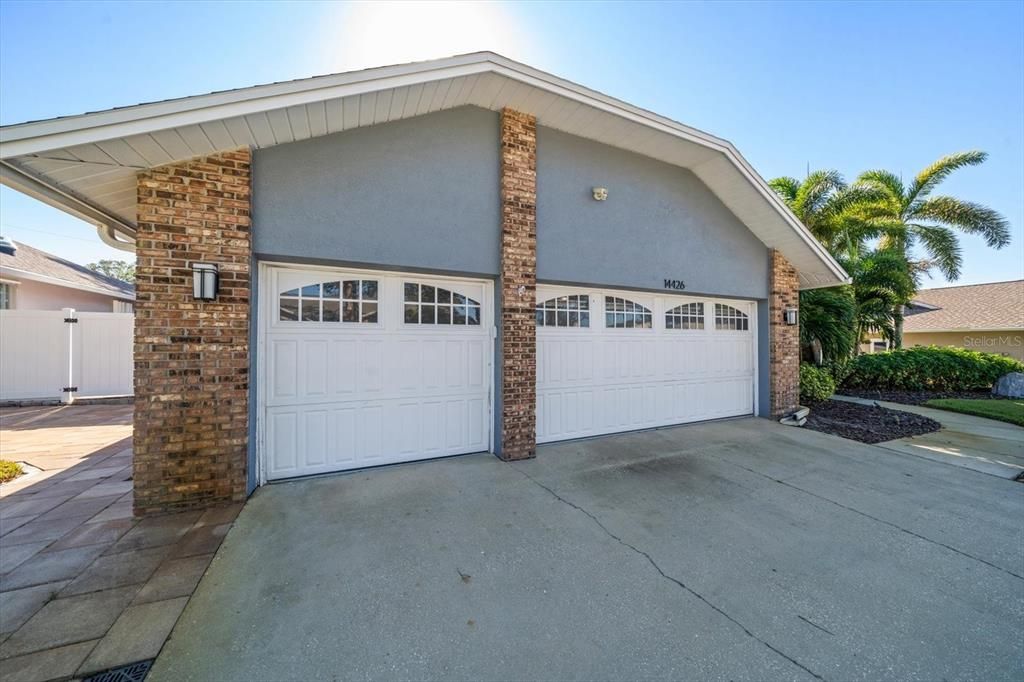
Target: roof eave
{"points": [[57, 281], [34, 137], [107, 225]]}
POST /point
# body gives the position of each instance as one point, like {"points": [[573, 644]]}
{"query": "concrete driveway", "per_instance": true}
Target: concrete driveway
{"points": [[738, 550]]}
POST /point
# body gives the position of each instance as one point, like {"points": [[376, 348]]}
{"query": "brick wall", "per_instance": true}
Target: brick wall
{"points": [[191, 357], [784, 340], [518, 284]]}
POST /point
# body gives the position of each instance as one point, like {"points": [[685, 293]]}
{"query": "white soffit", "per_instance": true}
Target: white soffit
{"points": [[86, 164]]}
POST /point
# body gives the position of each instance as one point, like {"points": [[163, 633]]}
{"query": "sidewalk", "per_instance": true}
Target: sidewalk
{"points": [[985, 445]]}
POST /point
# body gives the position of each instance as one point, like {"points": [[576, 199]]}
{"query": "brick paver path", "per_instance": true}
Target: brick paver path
{"points": [[85, 586]]}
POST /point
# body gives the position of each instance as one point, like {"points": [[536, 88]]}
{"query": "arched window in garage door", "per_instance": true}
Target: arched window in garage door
{"points": [[350, 300], [564, 311], [429, 304], [730, 319], [621, 313], [686, 316]]}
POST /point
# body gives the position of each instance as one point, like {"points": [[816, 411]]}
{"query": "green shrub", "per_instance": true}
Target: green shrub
{"points": [[838, 369], [929, 369], [816, 384], [9, 470]]}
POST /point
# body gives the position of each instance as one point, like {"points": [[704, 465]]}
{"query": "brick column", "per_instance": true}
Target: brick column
{"points": [[783, 339], [518, 285], [192, 357]]}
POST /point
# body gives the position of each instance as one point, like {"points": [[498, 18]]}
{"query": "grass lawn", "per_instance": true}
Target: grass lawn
{"points": [[9, 470], [1011, 411]]}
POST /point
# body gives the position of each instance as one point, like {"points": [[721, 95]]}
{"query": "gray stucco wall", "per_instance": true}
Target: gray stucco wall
{"points": [[419, 193], [659, 222]]}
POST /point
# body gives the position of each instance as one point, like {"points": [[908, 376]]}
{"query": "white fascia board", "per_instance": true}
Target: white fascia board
{"points": [[33, 138], [56, 281]]}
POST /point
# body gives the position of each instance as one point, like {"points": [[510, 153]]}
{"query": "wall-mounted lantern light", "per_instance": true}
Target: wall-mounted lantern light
{"points": [[600, 193], [790, 316], [204, 281]]}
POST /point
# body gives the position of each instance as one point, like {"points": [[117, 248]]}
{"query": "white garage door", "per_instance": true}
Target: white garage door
{"points": [[366, 368], [610, 361]]}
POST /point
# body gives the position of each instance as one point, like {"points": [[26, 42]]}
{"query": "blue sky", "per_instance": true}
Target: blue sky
{"points": [[842, 85]]}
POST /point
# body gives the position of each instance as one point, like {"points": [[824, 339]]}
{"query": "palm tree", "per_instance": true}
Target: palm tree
{"points": [[881, 281], [906, 216], [826, 205], [827, 323]]}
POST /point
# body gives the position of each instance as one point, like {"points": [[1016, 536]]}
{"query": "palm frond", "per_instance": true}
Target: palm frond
{"points": [[968, 216], [815, 191], [943, 248], [930, 177], [889, 182], [828, 316], [787, 188]]}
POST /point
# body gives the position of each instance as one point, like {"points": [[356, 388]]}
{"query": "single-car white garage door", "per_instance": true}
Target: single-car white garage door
{"points": [[362, 368], [610, 361]]}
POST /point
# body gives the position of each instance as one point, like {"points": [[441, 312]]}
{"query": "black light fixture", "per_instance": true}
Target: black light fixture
{"points": [[204, 281]]}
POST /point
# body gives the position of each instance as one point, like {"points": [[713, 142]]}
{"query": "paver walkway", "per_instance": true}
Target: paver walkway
{"points": [[985, 445], [84, 586]]}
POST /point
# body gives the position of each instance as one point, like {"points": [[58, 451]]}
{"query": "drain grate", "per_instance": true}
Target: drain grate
{"points": [[133, 672]]}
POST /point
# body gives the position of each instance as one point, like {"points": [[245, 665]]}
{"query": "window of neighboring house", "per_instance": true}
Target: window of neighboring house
{"points": [[6, 296], [621, 313], [124, 307], [429, 304], [729, 318], [351, 300], [564, 311], [686, 316]]}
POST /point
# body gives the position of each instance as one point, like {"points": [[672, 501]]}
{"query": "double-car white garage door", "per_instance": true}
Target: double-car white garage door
{"points": [[610, 361], [362, 368]]}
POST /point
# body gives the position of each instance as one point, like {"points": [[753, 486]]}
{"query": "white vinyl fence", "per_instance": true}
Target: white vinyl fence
{"points": [[64, 354]]}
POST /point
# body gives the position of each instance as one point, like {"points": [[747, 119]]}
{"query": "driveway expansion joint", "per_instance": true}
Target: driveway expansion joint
{"points": [[673, 580]]}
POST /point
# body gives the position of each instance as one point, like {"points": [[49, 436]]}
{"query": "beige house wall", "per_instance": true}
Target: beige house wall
{"points": [[1002, 342], [32, 295]]}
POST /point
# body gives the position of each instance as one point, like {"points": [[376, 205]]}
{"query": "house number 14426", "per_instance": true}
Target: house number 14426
{"points": [[677, 284]]}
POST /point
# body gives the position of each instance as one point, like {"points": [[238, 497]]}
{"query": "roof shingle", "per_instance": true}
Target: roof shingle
{"points": [[32, 260], [975, 307]]}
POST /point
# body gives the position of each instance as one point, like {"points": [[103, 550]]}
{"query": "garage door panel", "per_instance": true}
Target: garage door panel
{"points": [[343, 367], [284, 354], [316, 357], [370, 366], [596, 380], [342, 396]]}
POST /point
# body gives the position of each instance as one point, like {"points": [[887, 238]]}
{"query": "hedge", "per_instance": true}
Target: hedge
{"points": [[816, 384], [931, 368]]}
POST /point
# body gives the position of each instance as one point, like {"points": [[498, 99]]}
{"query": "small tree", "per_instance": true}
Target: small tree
{"points": [[118, 269]]}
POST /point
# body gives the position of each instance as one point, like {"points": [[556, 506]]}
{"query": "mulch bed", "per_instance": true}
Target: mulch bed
{"points": [[916, 397], [867, 423]]}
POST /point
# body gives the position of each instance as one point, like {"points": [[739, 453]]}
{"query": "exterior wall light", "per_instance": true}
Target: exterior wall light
{"points": [[790, 316], [204, 281], [600, 193]]}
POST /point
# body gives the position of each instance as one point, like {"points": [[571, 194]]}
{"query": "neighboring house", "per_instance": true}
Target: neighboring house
{"points": [[423, 260], [31, 279], [984, 317]]}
